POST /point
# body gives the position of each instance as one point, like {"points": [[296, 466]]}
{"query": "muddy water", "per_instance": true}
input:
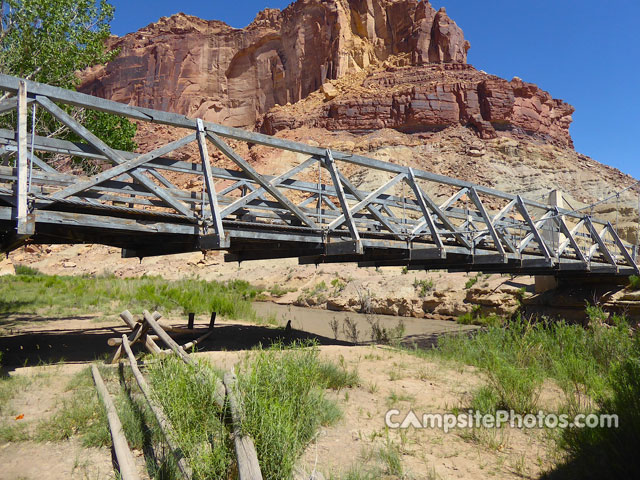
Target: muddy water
{"points": [[421, 331]]}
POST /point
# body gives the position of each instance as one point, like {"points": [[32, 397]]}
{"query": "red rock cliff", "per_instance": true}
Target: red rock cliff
{"points": [[410, 62], [232, 76]]}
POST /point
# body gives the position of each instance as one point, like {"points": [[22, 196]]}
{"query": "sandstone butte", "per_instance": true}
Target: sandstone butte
{"points": [[405, 61]]}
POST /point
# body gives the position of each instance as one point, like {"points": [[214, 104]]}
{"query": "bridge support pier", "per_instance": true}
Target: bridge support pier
{"points": [[545, 283]]}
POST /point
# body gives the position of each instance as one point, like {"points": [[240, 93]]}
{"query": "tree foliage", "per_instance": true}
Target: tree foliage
{"points": [[50, 41]]}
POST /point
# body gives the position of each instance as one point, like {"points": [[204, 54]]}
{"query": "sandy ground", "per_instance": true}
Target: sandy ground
{"points": [[389, 379]]}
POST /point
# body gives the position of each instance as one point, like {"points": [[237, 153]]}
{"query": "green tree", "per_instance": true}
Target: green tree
{"points": [[50, 41]]}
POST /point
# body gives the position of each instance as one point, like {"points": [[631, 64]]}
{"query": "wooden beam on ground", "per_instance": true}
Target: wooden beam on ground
{"points": [[165, 424], [197, 341], [248, 466], [115, 341], [126, 463]]}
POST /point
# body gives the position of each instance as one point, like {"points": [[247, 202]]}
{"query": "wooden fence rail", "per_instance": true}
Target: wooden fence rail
{"points": [[224, 393], [165, 424], [126, 463]]}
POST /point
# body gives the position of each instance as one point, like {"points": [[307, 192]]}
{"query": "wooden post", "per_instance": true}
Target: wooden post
{"points": [[163, 421], [248, 466], [22, 207], [167, 339], [213, 320], [149, 342], [192, 319], [139, 332], [117, 341], [126, 464]]}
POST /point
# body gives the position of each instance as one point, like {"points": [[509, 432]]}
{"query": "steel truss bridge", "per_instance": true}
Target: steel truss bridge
{"points": [[318, 211]]}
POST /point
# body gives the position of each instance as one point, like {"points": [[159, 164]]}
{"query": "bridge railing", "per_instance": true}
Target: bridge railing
{"points": [[328, 206]]}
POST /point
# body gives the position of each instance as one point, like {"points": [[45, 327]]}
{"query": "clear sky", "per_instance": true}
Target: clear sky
{"points": [[585, 52]]}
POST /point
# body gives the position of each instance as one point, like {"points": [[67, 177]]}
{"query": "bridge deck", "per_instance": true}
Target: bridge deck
{"points": [[319, 210]]}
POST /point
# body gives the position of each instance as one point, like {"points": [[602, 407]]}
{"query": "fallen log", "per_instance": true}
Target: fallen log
{"points": [[197, 341]]}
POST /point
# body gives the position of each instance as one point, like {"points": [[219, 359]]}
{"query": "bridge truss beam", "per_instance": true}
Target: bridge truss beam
{"points": [[404, 216]]}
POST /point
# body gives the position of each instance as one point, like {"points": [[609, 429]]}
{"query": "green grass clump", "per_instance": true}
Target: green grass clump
{"points": [[391, 457], [283, 394], [9, 387], [520, 356], [16, 432], [26, 270], [83, 414], [634, 282], [472, 281], [29, 290], [285, 404], [338, 377], [476, 317], [186, 395]]}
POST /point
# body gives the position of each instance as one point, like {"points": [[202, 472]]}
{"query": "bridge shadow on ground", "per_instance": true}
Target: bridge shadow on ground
{"points": [[77, 345]]}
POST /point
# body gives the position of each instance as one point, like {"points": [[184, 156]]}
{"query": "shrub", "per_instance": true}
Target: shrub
{"points": [[519, 356], [471, 282], [27, 270], [285, 403], [423, 287]]}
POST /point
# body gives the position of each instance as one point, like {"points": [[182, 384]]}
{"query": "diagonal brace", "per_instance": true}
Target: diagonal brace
{"points": [[367, 200], [81, 131], [425, 211], [485, 216], [256, 177], [122, 168], [241, 202], [534, 230]]}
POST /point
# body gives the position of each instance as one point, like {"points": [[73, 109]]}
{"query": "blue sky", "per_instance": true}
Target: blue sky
{"points": [[584, 52]]}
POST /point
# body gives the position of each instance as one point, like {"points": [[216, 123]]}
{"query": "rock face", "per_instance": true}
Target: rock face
{"points": [[210, 70], [433, 97]]}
